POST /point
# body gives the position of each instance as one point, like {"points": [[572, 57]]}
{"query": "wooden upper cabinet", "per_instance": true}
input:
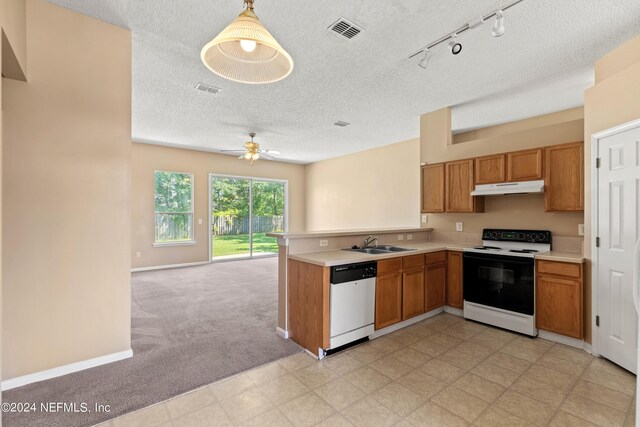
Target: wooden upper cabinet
{"points": [[490, 169], [564, 177], [524, 165], [433, 188], [459, 185]]}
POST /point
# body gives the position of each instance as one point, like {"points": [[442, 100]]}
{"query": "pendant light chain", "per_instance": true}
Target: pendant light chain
{"points": [[249, 4]]}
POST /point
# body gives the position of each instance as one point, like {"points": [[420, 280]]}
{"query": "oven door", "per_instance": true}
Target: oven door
{"points": [[499, 281]]}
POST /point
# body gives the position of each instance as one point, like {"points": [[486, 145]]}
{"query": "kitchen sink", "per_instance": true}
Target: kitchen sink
{"points": [[384, 249]]}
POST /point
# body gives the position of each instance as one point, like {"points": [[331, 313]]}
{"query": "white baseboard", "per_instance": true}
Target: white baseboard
{"points": [[164, 267], [64, 370], [404, 324], [282, 333], [453, 310], [572, 342]]}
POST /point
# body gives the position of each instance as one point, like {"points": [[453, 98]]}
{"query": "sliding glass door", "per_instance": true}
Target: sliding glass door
{"points": [[243, 210]]}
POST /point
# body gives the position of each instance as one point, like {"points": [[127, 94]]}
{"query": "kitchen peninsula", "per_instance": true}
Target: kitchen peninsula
{"points": [[412, 285]]}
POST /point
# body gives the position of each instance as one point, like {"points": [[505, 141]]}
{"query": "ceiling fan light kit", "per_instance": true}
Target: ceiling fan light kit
{"points": [[246, 52], [456, 47]]}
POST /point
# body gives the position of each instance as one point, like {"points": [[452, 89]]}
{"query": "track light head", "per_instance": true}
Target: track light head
{"points": [[498, 26], [454, 46], [424, 62]]}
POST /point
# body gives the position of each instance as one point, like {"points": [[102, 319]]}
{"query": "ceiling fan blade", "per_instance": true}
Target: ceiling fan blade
{"points": [[270, 152], [266, 156], [231, 151]]}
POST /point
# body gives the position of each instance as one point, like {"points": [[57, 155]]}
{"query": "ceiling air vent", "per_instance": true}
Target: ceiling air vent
{"points": [[208, 88], [345, 28], [341, 124]]}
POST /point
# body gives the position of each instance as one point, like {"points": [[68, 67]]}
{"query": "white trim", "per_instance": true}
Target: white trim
{"points": [[562, 339], [453, 310], [64, 370], [165, 267], [282, 333], [176, 243], [404, 324], [595, 260]]}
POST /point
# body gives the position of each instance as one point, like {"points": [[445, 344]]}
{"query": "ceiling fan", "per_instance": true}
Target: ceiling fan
{"points": [[253, 152]]}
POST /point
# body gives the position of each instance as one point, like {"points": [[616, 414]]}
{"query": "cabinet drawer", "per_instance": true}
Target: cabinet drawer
{"points": [[565, 269], [387, 266], [412, 261], [435, 257]]}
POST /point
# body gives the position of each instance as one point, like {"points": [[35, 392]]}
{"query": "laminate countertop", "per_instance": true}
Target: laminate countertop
{"points": [[341, 257]]}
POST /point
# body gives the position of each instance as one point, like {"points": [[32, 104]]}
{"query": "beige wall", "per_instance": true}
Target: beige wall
{"points": [[149, 158], [615, 99], [66, 199], [521, 211], [377, 188]]}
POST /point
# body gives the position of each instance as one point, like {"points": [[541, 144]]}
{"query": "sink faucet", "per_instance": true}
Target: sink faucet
{"points": [[369, 240]]}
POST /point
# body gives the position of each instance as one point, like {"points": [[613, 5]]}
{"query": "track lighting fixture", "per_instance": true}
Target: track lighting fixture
{"points": [[425, 60], [498, 26], [454, 46]]}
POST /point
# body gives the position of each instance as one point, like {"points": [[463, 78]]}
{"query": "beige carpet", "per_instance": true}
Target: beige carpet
{"points": [[190, 327]]}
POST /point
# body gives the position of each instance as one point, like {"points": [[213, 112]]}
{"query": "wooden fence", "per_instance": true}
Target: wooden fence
{"points": [[231, 224]]}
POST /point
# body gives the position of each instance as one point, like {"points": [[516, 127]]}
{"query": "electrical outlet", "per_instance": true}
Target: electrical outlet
{"points": [[409, 236], [458, 226], [400, 236], [200, 221], [324, 243], [580, 229], [138, 254], [425, 218]]}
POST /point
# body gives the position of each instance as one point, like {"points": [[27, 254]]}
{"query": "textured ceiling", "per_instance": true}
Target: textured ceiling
{"points": [[542, 64]]}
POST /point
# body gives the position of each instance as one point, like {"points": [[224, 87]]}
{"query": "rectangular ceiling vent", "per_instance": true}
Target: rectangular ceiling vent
{"points": [[208, 88], [341, 124], [345, 28]]}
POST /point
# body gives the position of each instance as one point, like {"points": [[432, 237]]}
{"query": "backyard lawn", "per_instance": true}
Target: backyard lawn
{"points": [[238, 244]]}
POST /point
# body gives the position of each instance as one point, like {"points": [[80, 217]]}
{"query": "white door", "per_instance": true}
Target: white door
{"points": [[618, 220]]}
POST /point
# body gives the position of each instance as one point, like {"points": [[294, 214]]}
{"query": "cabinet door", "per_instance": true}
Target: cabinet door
{"points": [[433, 188], [454, 279], [490, 169], [559, 305], [459, 185], [388, 300], [435, 282], [564, 177], [412, 293], [524, 165]]}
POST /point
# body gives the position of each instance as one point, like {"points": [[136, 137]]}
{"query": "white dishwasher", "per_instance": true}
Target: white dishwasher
{"points": [[353, 301]]}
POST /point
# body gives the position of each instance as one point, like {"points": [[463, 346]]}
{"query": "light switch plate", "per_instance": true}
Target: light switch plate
{"points": [[580, 229], [409, 236], [138, 254], [324, 243], [400, 236], [458, 226], [425, 218], [200, 221]]}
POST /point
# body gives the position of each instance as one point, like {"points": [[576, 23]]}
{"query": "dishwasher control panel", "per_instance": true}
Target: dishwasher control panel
{"points": [[353, 272]]}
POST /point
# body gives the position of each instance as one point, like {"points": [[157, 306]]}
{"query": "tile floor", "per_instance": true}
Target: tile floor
{"points": [[442, 371]]}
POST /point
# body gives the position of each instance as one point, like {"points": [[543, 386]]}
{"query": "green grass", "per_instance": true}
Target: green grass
{"points": [[238, 244]]}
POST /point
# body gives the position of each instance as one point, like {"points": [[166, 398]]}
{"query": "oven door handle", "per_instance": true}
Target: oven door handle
{"points": [[503, 258]]}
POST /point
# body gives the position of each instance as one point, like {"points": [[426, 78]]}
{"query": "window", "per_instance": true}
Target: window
{"points": [[174, 207]]}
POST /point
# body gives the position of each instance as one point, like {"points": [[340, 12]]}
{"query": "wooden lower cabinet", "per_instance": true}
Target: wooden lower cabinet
{"points": [[388, 300], [412, 293], [435, 280], [559, 305], [454, 279]]}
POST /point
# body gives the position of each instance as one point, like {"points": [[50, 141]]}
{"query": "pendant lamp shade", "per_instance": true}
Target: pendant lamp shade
{"points": [[246, 52]]}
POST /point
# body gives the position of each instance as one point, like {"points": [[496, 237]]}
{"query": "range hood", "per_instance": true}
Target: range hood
{"points": [[509, 188]]}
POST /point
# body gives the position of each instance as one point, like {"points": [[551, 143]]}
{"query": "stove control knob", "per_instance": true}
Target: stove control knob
{"points": [[520, 236]]}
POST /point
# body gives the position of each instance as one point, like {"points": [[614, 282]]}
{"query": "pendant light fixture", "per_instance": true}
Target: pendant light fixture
{"points": [[498, 26], [246, 52]]}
